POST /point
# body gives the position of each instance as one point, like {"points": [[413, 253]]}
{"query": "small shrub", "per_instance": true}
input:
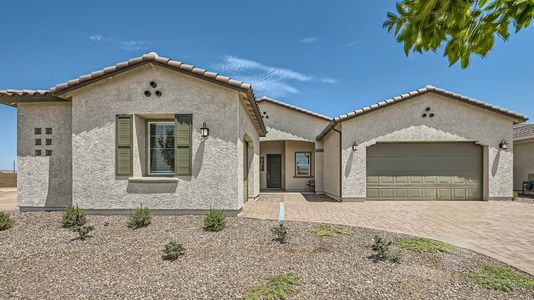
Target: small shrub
{"points": [[281, 232], [83, 231], [5, 221], [73, 216], [215, 220], [329, 230], [420, 245], [140, 217], [278, 287], [498, 278], [515, 195], [381, 246], [172, 250]]}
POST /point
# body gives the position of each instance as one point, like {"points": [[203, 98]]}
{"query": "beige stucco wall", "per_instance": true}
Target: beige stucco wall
{"points": [[523, 162], [44, 181], [293, 182], [331, 157], [217, 160], [453, 121], [287, 124], [286, 127]]}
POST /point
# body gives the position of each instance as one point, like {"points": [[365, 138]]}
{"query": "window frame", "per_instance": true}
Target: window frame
{"points": [[262, 163], [309, 164], [148, 154]]}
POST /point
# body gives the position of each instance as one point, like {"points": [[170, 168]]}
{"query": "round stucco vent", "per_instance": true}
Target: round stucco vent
{"points": [[158, 93], [153, 84], [147, 93]]}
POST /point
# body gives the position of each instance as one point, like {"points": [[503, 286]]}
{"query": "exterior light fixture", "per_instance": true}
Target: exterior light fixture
{"points": [[354, 146], [204, 130], [503, 145]]}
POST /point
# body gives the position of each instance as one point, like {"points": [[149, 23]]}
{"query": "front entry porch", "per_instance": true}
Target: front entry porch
{"points": [[287, 166]]}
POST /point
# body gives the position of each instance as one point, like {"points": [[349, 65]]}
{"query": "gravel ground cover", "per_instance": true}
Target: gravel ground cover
{"points": [[40, 260]]}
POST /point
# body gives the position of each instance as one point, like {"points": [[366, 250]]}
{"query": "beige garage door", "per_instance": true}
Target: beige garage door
{"points": [[424, 171]]}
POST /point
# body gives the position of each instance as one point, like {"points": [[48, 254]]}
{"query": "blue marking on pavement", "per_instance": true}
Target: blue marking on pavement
{"points": [[281, 213]]}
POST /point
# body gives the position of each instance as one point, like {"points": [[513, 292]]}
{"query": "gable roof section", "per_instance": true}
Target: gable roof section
{"points": [[523, 131], [518, 118], [11, 97], [295, 108]]}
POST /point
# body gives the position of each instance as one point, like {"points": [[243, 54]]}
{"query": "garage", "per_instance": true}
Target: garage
{"points": [[424, 171]]}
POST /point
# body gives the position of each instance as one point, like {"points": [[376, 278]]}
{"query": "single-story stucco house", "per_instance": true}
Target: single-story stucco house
{"points": [[524, 157], [179, 139]]}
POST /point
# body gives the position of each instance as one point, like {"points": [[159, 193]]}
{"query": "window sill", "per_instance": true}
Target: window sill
{"points": [[153, 179], [310, 176]]}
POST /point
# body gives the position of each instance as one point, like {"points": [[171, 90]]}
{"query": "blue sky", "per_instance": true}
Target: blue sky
{"points": [[328, 56]]}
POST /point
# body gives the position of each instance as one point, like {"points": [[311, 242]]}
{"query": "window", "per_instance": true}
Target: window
{"points": [[37, 152], [48, 142], [37, 130], [262, 164], [48, 152], [302, 163], [37, 142], [48, 130], [161, 148]]}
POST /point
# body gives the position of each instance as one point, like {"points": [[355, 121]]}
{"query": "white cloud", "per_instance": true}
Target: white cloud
{"points": [[353, 44], [128, 45], [274, 81], [309, 40]]}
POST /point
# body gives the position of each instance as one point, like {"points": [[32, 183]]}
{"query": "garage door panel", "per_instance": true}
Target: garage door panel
{"points": [[429, 171]]}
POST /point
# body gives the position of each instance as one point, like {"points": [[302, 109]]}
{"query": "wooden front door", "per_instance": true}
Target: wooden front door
{"points": [[274, 171]]}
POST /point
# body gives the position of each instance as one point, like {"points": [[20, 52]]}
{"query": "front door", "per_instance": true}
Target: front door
{"points": [[274, 171]]}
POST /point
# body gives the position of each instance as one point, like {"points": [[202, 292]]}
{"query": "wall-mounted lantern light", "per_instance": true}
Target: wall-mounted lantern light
{"points": [[204, 130], [354, 146], [503, 145]]}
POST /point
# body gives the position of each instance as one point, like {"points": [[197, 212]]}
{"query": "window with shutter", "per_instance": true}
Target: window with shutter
{"points": [[123, 145], [183, 144]]}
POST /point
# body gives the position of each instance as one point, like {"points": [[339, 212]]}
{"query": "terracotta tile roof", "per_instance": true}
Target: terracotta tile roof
{"points": [[152, 57], [523, 131], [296, 108], [11, 93], [518, 118]]}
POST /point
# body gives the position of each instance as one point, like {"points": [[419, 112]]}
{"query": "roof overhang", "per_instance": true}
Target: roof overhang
{"points": [[294, 108], [13, 97]]}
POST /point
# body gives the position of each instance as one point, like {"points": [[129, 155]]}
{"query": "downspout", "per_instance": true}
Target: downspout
{"points": [[340, 162]]}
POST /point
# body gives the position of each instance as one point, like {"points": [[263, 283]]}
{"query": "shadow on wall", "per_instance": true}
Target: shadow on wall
{"points": [[59, 181], [348, 166], [496, 160]]}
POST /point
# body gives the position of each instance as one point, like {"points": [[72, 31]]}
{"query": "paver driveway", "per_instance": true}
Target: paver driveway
{"points": [[503, 230]]}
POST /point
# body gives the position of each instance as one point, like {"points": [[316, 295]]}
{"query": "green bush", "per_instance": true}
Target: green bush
{"points": [[382, 248], [329, 230], [278, 288], [498, 278], [83, 231], [73, 216], [5, 221], [420, 245], [515, 195], [140, 217], [281, 232], [172, 250], [215, 220]]}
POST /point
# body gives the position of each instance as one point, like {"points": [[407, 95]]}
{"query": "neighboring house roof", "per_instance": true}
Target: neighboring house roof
{"points": [[523, 131], [295, 108], [517, 117], [11, 97]]}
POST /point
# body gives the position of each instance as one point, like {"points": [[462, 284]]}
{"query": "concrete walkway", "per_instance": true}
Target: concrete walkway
{"points": [[8, 198], [503, 230]]}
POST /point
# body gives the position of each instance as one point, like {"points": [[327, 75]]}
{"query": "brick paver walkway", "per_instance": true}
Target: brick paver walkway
{"points": [[503, 230]]}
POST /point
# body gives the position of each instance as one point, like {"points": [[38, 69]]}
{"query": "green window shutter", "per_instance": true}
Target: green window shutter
{"points": [[123, 145], [184, 144]]}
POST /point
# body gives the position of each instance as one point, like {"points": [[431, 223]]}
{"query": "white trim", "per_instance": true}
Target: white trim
{"points": [[148, 148]]}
